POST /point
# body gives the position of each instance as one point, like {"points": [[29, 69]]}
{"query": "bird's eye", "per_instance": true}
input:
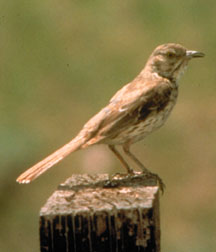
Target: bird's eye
{"points": [[170, 54]]}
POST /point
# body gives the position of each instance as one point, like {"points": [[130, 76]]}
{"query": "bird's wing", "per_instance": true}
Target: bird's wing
{"points": [[129, 105]]}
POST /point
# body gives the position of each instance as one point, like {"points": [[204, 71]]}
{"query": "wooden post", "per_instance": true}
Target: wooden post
{"points": [[89, 213]]}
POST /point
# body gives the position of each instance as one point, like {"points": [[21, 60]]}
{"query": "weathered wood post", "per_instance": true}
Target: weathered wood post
{"points": [[90, 213]]}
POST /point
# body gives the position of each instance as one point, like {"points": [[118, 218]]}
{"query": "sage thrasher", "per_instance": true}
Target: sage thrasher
{"points": [[136, 110]]}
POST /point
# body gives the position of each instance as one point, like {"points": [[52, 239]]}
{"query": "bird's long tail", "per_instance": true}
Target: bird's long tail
{"points": [[38, 169]]}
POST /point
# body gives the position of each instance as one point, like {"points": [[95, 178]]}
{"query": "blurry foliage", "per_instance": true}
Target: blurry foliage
{"points": [[60, 63]]}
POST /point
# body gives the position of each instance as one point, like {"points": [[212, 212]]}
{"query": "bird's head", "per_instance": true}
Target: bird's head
{"points": [[170, 60]]}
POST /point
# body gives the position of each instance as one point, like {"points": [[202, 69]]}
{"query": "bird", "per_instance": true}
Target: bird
{"points": [[136, 110]]}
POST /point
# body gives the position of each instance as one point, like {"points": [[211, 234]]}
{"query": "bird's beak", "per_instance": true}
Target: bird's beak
{"points": [[194, 54]]}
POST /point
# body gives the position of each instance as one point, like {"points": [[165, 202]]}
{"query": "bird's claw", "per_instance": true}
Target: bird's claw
{"points": [[132, 173], [160, 182]]}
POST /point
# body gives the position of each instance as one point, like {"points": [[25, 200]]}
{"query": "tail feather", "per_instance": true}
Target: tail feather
{"points": [[36, 170]]}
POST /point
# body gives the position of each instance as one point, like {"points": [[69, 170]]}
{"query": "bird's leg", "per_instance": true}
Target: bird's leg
{"points": [[144, 169], [130, 155], [118, 155]]}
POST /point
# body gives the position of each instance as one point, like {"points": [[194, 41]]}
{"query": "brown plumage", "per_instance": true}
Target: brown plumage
{"points": [[133, 112]]}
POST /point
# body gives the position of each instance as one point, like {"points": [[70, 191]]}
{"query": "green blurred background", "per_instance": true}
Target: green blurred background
{"points": [[60, 62]]}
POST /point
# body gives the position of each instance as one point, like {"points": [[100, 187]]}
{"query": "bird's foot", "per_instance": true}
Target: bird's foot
{"points": [[160, 182], [114, 178], [112, 182]]}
